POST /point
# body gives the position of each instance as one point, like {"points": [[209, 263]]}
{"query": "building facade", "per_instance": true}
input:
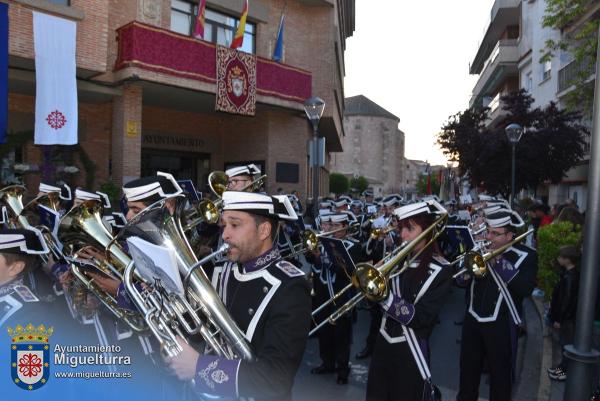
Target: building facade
{"points": [[147, 89], [373, 146], [510, 57]]}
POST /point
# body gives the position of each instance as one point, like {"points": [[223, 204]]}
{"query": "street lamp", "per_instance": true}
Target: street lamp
{"points": [[314, 107], [513, 133]]}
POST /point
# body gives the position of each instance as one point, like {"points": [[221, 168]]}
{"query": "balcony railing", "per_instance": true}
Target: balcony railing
{"points": [[568, 75], [160, 50]]}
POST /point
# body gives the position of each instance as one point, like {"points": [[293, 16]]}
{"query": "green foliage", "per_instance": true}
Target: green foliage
{"points": [[338, 183], [551, 145], [359, 184], [422, 185], [581, 42], [113, 192], [550, 239]]}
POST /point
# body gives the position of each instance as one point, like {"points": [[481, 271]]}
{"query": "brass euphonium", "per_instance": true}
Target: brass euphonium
{"points": [[372, 281], [31, 213], [82, 227], [12, 197], [201, 310]]}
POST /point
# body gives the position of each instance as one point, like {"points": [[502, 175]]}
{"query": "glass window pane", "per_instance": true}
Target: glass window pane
{"points": [[63, 2], [224, 36], [180, 22], [248, 45], [250, 27], [208, 31], [181, 5], [218, 17]]}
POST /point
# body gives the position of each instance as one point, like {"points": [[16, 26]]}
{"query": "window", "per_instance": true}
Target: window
{"points": [[528, 84], [547, 70], [219, 28], [62, 2]]}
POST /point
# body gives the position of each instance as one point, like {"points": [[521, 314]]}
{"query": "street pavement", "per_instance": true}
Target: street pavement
{"points": [[445, 349]]}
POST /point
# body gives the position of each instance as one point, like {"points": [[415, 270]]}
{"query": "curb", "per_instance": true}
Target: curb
{"points": [[544, 383]]}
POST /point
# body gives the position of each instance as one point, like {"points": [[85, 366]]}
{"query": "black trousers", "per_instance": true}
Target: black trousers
{"points": [[376, 314], [491, 341], [393, 374], [334, 345]]}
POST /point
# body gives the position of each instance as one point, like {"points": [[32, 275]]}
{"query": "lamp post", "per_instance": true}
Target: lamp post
{"points": [[314, 107], [513, 132]]}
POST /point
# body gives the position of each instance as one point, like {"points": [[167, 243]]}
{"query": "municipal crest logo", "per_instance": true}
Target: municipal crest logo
{"points": [[236, 81], [30, 355]]}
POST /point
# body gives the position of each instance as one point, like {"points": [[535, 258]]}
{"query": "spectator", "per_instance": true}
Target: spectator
{"points": [[563, 306]]}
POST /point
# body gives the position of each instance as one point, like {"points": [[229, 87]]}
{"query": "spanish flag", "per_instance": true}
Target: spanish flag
{"points": [[199, 28], [238, 39]]}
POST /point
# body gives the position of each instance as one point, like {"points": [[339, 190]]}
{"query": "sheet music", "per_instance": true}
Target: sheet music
{"points": [[154, 262]]}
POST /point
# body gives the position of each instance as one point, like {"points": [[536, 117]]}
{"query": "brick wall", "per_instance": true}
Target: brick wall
{"points": [[92, 33], [94, 128]]}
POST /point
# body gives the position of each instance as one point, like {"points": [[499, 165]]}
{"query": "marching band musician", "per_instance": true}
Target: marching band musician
{"points": [[267, 297], [399, 366], [137, 195], [241, 177], [493, 316], [329, 279]]}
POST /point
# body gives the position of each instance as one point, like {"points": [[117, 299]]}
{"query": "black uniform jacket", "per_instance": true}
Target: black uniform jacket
{"points": [[427, 296], [485, 299], [272, 307]]}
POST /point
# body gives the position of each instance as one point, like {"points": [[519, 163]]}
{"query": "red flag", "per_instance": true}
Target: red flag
{"points": [[199, 28], [238, 39]]}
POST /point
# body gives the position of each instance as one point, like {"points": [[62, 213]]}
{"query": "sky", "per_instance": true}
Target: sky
{"points": [[412, 58]]}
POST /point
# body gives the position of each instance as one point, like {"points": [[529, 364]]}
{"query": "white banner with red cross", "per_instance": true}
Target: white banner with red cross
{"points": [[55, 79]]}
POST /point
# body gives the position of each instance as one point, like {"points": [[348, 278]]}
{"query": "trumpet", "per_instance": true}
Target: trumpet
{"points": [[380, 231], [372, 281], [476, 262], [218, 182]]}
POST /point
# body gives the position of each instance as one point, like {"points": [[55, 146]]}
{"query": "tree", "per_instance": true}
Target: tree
{"points": [[359, 184], [581, 43], [422, 185], [338, 183], [552, 144]]}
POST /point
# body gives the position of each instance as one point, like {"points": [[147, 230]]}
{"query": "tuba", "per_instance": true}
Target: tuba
{"points": [[201, 310], [82, 227]]}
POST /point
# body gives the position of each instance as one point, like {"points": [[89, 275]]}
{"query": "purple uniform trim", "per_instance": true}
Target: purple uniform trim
{"points": [[123, 300], [505, 270], [57, 269], [261, 261], [217, 376], [399, 309]]}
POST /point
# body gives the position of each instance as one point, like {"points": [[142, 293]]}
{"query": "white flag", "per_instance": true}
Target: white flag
{"points": [[56, 85]]}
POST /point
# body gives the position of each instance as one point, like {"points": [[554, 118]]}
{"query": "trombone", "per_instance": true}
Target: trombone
{"points": [[310, 239], [372, 281], [476, 262]]}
